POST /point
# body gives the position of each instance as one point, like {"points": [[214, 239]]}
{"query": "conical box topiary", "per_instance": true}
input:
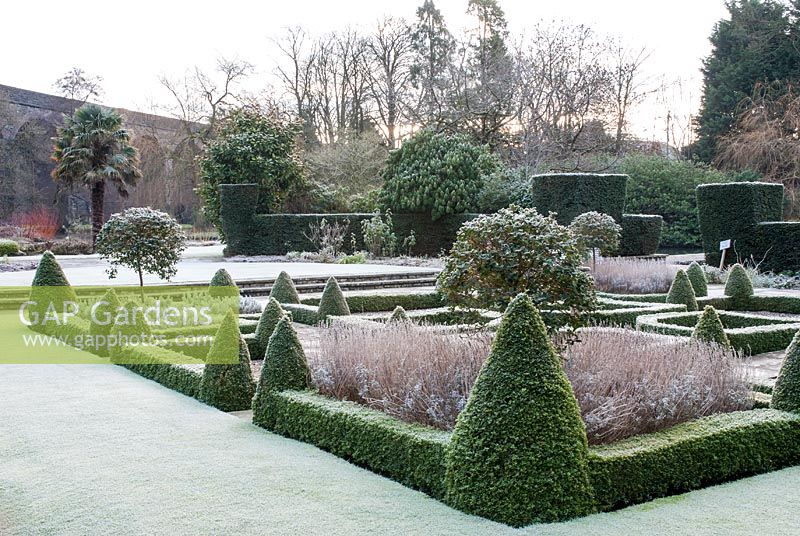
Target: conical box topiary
{"points": [[709, 328], [222, 284], [399, 315], [518, 454], [681, 292], [270, 316], [228, 386], [786, 394], [285, 368], [698, 279], [50, 292], [49, 272], [105, 313], [738, 286], [332, 302], [283, 289]]}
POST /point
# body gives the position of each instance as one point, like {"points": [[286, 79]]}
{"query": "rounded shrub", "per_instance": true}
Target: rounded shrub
{"points": [[786, 394], [595, 230], [738, 285], [682, 292], [285, 368], [399, 315], [8, 247], [222, 284], [697, 277], [709, 328], [517, 250], [283, 289], [270, 316], [518, 453], [332, 302], [228, 386], [437, 174]]}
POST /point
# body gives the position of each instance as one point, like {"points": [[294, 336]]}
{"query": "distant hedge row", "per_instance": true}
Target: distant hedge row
{"points": [[248, 233]]}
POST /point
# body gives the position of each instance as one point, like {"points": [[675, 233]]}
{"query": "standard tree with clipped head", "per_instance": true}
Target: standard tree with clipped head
{"points": [[228, 386], [283, 289], [709, 328], [270, 317], [786, 394], [681, 291], [285, 368], [333, 302], [519, 452], [698, 279], [738, 286]]}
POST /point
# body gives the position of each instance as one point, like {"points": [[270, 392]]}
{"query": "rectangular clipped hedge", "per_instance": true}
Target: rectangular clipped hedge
{"points": [[692, 455], [778, 244], [707, 451], [374, 303], [248, 233], [641, 234], [731, 211], [772, 304], [572, 194], [747, 332]]}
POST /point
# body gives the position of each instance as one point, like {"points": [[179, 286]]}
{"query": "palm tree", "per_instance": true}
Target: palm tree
{"points": [[93, 148]]}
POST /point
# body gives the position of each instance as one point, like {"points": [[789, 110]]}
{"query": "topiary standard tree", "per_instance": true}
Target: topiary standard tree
{"points": [[399, 315], [283, 289], [595, 230], [224, 385], [709, 328], [698, 279], [144, 240], [497, 256], [786, 394], [738, 286], [285, 368], [270, 317], [519, 452], [681, 291], [222, 284], [333, 302]]}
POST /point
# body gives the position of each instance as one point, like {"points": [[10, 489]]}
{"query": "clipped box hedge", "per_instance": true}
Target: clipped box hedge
{"points": [[747, 332], [692, 455], [731, 211], [572, 194], [643, 298], [776, 245], [641, 234], [772, 304], [375, 303], [411, 454], [247, 233]]}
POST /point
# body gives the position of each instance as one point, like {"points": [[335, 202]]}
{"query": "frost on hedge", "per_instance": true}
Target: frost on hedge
{"points": [[682, 292]]}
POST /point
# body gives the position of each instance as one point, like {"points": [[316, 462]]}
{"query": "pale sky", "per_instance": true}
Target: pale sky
{"points": [[131, 43]]}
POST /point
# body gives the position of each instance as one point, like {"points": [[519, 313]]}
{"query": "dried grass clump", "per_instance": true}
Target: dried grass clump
{"points": [[629, 383], [626, 382], [403, 369], [633, 276]]}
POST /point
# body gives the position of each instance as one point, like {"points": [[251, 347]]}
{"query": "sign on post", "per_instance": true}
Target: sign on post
{"points": [[724, 246]]}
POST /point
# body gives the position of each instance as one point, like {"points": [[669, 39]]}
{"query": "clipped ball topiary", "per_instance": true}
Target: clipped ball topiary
{"points": [[399, 315], [283, 289], [270, 316], [518, 453], [698, 279], [285, 367], [786, 394], [222, 284], [738, 286], [709, 328], [681, 291], [332, 302], [228, 386]]}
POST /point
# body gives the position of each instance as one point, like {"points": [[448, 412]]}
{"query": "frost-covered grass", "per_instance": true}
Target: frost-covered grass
{"points": [[633, 276]]}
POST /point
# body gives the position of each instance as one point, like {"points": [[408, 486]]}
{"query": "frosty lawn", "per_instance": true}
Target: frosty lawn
{"points": [[97, 449]]}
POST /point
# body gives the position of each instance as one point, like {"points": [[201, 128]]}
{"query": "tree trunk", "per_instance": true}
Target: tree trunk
{"points": [[98, 196]]}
